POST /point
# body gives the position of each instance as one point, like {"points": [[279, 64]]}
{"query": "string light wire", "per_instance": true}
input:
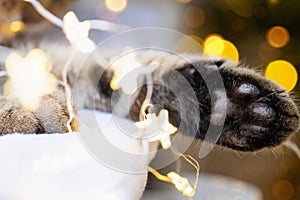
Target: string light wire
{"points": [[68, 92], [95, 23], [147, 100], [45, 13], [180, 183]]}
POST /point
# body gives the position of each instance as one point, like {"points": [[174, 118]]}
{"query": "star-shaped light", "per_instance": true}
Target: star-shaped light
{"points": [[29, 78], [159, 126], [126, 71], [77, 33], [181, 184]]}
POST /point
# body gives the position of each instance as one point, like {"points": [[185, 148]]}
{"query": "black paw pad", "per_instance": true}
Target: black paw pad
{"points": [[248, 89], [259, 112], [262, 111]]}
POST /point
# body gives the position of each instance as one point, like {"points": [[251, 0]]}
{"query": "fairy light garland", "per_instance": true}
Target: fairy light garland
{"points": [[180, 183], [77, 33]]}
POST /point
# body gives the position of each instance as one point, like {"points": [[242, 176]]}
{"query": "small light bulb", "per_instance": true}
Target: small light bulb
{"points": [[29, 78], [77, 33]]}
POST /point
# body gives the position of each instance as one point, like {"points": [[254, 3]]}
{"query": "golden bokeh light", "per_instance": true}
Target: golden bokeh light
{"points": [[212, 37], [283, 190], [16, 26], [230, 51], [116, 5], [193, 17], [283, 73], [215, 45], [278, 36]]}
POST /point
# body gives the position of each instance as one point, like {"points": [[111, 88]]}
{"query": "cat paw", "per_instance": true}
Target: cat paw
{"points": [[259, 113]]}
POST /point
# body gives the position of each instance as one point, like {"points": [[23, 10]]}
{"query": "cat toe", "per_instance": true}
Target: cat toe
{"points": [[259, 112]]}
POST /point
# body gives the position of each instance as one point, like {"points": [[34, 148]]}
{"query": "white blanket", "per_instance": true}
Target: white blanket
{"points": [[57, 166]]}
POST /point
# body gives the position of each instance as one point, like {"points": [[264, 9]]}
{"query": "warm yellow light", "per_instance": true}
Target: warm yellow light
{"points": [[211, 37], [181, 184], [194, 17], [116, 5], [215, 45], [29, 78], [16, 26], [278, 36], [230, 51], [282, 72]]}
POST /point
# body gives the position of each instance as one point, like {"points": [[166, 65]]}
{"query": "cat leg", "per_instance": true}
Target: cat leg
{"points": [[50, 117], [259, 113]]}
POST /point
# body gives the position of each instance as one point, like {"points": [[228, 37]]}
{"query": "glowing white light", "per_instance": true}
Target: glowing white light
{"points": [[29, 78], [159, 126], [181, 184], [77, 33], [116, 5], [126, 71]]}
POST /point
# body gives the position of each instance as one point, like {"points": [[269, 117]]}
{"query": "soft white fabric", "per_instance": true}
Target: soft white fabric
{"points": [[57, 166]]}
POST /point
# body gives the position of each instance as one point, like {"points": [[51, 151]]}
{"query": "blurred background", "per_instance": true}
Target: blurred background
{"points": [[259, 33]]}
